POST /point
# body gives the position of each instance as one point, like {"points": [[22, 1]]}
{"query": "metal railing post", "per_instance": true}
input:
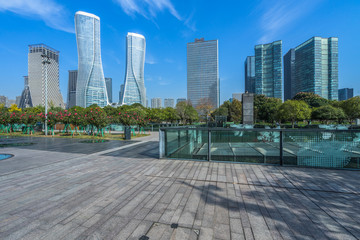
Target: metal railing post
{"points": [[281, 148], [209, 145]]}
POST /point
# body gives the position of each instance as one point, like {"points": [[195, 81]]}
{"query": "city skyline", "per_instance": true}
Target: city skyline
{"points": [[167, 35]]}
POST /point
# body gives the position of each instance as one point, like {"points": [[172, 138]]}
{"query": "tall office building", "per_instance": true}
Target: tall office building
{"points": [[134, 86], [37, 72], [346, 93], [180, 100], [3, 100], [203, 72], [316, 68], [25, 98], [289, 75], [121, 93], [108, 82], [91, 88], [71, 98], [17, 100], [250, 74], [169, 102], [268, 69], [156, 103]]}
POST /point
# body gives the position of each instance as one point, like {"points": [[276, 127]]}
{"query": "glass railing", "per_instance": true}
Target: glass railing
{"points": [[305, 147]]}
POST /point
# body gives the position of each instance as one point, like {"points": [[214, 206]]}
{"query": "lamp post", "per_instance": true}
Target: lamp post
{"points": [[45, 62]]}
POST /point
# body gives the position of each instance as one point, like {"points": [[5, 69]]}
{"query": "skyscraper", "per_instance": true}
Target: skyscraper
{"points": [[346, 93], [268, 69], [108, 82], [71, 99], [134, 86], [156, 103], [37, 72], [316, 67], [169, 102], [180, 100], [250, 74], [203, 72], [289, 75], [25, 98], [91, 88], [121, 93]]}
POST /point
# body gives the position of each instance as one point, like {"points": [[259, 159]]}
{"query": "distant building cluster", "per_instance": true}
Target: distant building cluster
{"points": [[310, 67]]}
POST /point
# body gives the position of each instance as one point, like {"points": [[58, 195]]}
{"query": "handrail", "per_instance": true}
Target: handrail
{"points": [[260, 129]]}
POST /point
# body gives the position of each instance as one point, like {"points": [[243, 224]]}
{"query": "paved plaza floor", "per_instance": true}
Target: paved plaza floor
{"points": [[67, 189]]}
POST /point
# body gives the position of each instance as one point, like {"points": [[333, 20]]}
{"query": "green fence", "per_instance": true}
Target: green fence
{"points": [[305, 147]]}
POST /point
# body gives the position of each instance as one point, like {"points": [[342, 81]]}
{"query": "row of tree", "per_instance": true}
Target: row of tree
{"points": [[97, 117], [304, 106]]}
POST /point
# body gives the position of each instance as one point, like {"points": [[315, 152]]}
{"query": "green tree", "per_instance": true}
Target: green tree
{"points": [[186, 112], [265, 108], [293, 110], [327, 113], [235, 111], [312, 99], [351, 108], [170, 115]]}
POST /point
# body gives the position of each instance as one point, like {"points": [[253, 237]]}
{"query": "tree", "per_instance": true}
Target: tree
{"points": [[293, 110], [327, 113], [14, 108], [186, 112], [204, 108], [265, 108], [235, 111], [351, 108], [170, 115], [312, 99], [96, 117]]}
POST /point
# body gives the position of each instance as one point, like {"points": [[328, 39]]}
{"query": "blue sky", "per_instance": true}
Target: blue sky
{"points": [[167, 26]]}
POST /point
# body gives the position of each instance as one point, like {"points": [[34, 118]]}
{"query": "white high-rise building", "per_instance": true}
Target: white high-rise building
{"points": [[91, 87], [134, 86], [37, 72], [169, 102], [156, 103]]}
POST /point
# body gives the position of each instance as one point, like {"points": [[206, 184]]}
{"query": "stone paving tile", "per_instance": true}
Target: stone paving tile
{"points": [[124, 193]]}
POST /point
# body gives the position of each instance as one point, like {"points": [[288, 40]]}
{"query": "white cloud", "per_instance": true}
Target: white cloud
{"points": [[53, 14], [150, 9], [147, 8], [280, 14]]}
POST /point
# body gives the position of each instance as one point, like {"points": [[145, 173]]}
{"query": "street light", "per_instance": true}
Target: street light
{"points": [[46, 62]]}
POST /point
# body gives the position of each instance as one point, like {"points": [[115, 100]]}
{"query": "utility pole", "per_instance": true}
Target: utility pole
{"points": [[46, 62]]}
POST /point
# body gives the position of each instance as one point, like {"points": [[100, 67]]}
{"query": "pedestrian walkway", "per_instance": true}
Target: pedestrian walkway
{"points": [[123, 191]]}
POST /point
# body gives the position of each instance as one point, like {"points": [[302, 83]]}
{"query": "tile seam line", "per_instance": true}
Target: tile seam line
{"points": [[258, 185]]}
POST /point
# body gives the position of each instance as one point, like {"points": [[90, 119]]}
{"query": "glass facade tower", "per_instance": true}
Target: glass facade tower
{"points": [[91, 88], [346, 93], [316, 67], [268, 69], [203, 72], [108, 82], [71, 98], [250, 74], [289, 75], [134, 86]]}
